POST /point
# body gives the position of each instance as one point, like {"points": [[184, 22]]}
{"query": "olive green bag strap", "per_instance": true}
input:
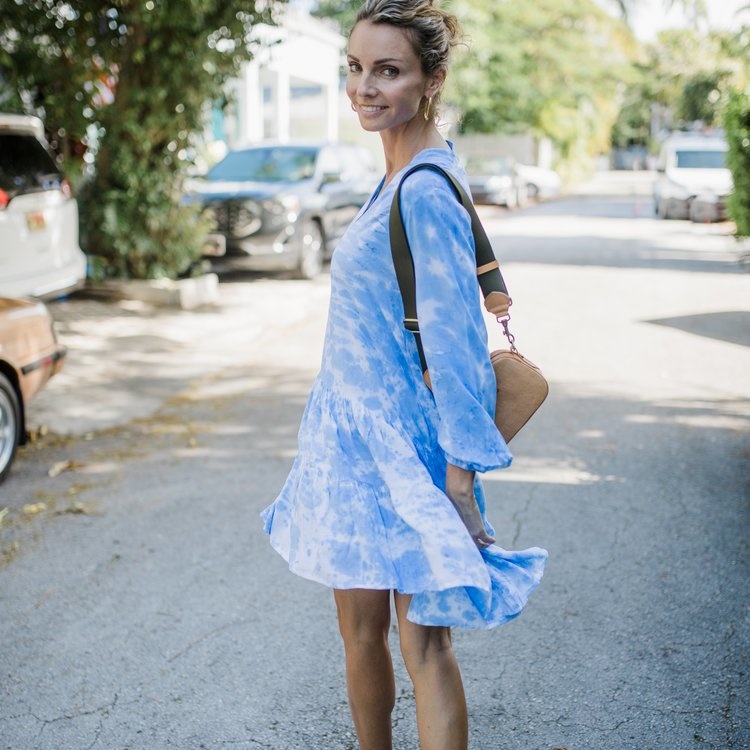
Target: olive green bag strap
{"points": [[488, 270]]}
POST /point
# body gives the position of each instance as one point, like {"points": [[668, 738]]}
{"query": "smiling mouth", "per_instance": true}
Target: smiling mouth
{"points": [[370, 108]]}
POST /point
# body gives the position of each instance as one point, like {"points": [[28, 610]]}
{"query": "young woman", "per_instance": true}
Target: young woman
{"points": [[382, 500]]}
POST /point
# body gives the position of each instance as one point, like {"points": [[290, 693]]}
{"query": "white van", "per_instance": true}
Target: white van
{"points": [[39, 251], [693, 180]]}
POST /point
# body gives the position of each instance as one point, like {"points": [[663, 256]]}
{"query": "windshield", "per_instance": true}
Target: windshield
{"points": [[276, 164], [25, 165], [701, 159]]}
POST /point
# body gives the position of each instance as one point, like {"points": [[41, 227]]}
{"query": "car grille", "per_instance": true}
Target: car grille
{"points": [[237, 219]]}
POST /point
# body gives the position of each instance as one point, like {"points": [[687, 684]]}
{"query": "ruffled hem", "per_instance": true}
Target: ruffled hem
{"points": [[364, 507], [512, 575]]}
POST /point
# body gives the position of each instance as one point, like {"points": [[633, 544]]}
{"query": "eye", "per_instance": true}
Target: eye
{"points": [[354, 67], [390, 72]]}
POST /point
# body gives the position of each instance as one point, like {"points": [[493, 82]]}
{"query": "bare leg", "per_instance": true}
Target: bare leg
{"points": [[364, 621], [441, 704]]}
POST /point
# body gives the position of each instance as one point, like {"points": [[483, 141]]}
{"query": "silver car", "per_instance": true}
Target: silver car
{"points": [[283, 206]]}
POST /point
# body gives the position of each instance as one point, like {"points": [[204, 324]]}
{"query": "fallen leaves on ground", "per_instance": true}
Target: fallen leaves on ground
{"points": [[61, 466]]}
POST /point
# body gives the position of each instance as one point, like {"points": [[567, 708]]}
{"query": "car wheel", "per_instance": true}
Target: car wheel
{"points": [[663, 210], [311, 250], [10, 425]]}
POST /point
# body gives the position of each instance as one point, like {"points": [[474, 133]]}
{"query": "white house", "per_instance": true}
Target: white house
{"points": [[291, 88]]}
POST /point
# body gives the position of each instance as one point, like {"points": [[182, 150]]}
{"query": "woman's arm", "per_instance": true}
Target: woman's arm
{"points": [[459, 486], [453, 331]]}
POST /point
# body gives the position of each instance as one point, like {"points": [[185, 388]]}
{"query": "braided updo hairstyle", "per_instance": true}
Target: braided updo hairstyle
{"points": [[432, 32]]}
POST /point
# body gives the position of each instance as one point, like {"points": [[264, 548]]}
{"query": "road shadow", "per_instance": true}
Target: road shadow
{"points": [[732, 326]]}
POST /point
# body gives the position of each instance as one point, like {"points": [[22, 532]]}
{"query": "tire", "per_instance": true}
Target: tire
{"points": [[663, 210], [311, 250], [10, 425]]}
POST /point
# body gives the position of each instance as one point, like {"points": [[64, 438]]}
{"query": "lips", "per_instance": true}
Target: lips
{"points": [[370, 109]]}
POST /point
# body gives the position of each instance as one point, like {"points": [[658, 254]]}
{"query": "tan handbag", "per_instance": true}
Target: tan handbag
{"points": [[521, 387]]}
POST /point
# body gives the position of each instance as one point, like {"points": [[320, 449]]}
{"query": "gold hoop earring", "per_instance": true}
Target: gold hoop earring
{"points": [[427, 108], [353, 106]]}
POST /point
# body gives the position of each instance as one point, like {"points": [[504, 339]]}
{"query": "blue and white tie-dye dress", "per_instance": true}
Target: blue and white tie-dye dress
{"points": [[364, 504]]}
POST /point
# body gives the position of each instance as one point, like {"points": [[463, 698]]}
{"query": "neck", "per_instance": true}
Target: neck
{"points": [[401, 147]]}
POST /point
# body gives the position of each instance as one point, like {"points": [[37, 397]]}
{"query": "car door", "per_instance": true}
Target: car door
{"points": [[345, 188]]}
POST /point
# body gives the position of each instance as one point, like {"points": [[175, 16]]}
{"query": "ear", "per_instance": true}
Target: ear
{"points": [[436, 82]]}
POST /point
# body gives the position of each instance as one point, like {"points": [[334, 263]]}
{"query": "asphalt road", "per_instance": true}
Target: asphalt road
{"points": [[142, 609]]}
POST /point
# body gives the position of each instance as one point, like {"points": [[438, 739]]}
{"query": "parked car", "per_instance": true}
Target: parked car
{"points": [[693, 180], [495, 181], [39, 251], [540, 182], [29, 356], [283, 206]]}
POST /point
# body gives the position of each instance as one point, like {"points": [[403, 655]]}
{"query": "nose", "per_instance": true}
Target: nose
{"points": [[366, 85]]}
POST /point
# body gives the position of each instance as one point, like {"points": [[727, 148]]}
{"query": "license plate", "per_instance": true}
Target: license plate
{"points": [[35, 221], [215, 245]]}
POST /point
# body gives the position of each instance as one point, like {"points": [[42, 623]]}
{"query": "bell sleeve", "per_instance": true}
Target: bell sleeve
{"points": [[451, 322]]}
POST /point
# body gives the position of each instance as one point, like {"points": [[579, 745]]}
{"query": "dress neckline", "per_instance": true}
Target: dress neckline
{"points": [[382, 184]]}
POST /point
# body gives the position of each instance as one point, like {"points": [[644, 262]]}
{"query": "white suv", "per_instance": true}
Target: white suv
{"points": [[39, 251], [693, 180]]}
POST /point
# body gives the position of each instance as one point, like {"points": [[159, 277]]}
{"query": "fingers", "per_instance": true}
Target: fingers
{"points": [[483, 540]]}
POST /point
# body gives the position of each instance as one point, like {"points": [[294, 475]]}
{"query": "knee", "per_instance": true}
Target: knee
{"points": [[363, 633]]}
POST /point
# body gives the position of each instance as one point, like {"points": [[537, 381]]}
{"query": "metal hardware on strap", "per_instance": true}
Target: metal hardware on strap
{"points": [[508, 335], [411, 324]]}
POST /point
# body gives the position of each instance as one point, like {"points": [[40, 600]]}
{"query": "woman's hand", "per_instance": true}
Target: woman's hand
{"points": [[459, 486]]}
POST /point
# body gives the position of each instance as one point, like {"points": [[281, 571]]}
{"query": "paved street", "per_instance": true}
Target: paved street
{"points": [[141, 607]]}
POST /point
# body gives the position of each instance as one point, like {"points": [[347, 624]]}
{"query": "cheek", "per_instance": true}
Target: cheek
{"points": [[409, 96], [351, 87]]}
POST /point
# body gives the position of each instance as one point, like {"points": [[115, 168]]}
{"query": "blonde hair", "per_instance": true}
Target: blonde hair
{"points": [[431, 31]]}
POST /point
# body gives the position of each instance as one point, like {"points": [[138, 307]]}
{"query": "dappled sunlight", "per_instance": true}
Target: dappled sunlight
{"points": [[546, 471]]}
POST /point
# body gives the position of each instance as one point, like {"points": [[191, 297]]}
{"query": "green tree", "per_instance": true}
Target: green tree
{"points": [[737, 124], [343, 12], [553, 67], [130, 80], [683, 77]]}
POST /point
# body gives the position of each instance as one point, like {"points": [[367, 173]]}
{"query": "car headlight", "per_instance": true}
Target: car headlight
{"points": [[283, 206], [677, 191], [245, 220], [498, 183], [708, 196]]}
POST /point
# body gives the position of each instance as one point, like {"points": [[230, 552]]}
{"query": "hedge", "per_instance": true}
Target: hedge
{"points": [[737, 126]]}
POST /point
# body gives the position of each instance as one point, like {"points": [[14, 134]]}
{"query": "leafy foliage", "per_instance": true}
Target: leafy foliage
{"points": [[343, 12], [124, 84], [737, 124], [681, 83], [553, 67]]}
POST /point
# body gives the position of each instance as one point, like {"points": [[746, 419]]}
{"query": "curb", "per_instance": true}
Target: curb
{"points": [[184, 294]]}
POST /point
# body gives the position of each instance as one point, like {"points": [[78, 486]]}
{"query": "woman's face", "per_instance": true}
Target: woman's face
{"points": [[385, 82]]}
